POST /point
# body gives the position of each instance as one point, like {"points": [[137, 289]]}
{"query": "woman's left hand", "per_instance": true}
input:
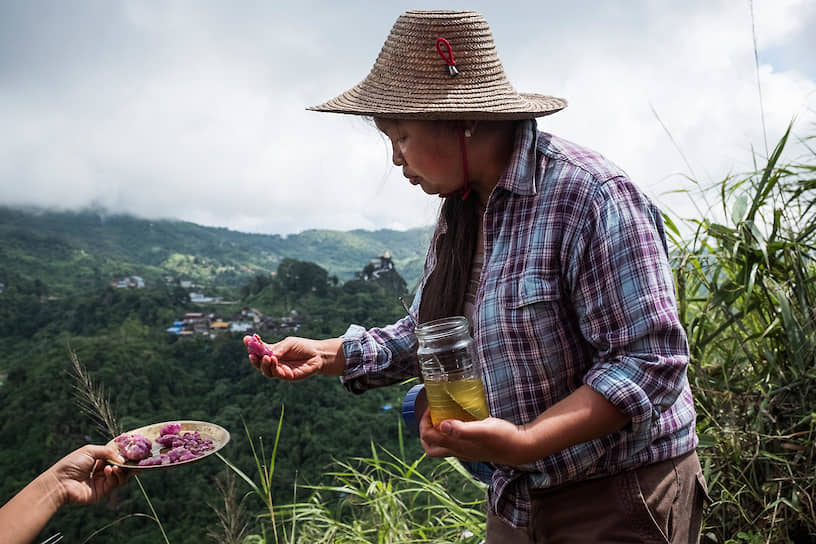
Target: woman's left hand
{"points": [[491, 440]]}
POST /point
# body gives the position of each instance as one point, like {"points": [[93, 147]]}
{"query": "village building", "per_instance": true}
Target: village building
{"points": [[377, 266], [200, 298], [129, 282], [218, 327], [241, 326]]}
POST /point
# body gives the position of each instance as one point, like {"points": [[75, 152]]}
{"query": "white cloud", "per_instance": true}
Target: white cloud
{"points": [[196, 111], [696, 69]]}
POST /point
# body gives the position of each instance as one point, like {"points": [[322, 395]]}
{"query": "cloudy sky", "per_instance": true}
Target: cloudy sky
{"points": [[196, 110]]}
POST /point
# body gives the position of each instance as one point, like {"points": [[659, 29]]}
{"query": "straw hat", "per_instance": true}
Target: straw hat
{"points": [[440, 65]]}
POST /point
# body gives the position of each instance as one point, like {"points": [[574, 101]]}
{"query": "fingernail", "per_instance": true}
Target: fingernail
{"points": [[445, 427]]}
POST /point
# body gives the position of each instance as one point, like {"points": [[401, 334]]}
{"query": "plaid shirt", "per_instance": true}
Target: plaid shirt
{"points": [[576, 289]]}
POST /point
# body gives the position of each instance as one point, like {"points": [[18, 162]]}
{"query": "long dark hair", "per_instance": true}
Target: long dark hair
{"points": [[444, 292]]}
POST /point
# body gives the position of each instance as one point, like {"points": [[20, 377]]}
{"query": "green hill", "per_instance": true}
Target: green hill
{"points": [[69, 251], [151, 376], [56, 300]]}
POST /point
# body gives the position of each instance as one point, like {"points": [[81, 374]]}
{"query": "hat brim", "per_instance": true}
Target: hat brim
{"points": [[521, 106]]}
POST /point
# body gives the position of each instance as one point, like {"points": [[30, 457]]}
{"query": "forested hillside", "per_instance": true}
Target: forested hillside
{"points": [[56, 302], [67, 251]]}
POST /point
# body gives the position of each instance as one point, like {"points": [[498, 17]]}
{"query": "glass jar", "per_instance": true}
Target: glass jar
{"points": [[453, 382]]}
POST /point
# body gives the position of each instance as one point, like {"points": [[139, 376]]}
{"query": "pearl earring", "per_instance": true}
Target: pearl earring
{"points": [[468, 133]]}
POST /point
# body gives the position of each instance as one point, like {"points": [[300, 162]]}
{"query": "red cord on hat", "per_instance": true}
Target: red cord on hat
{"points": [[449, 57]]}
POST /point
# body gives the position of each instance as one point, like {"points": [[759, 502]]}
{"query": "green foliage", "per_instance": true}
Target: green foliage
{"points": [[299, 278], [150, 380], [382, 498], [747, 286], [152, 376]]}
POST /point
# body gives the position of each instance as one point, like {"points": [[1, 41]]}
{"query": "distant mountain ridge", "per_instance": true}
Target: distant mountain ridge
{"points": [[70, 251]]}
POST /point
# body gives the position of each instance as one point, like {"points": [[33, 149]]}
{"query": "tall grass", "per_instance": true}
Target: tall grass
{"points": [[266, 470], [381, 498], [384, 499], [92, 400], [746, 291], [233, 524]]}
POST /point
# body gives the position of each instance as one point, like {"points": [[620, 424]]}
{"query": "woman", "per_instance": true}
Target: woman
{"points": [[560, 263]]}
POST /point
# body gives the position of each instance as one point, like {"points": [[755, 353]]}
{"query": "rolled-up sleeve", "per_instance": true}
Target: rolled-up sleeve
{"points": [[626, 305], [380, 356]]}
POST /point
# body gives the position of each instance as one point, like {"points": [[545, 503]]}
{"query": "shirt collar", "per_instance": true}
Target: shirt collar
{"points": [[523, 170]]}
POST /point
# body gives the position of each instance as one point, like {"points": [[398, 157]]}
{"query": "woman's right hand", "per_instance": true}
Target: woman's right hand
{"points": [[298, 358], [84, 477]]}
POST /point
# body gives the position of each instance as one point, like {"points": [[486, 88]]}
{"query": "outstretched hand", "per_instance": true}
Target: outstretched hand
{"points": [[298, 358], [81, 477], [84, 477]]}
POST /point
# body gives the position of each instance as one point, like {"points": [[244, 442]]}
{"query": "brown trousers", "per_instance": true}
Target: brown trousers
{"points": [[661, 503]]}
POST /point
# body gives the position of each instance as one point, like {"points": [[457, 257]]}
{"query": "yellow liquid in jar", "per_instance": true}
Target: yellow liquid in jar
{"points": [[460, 399]]}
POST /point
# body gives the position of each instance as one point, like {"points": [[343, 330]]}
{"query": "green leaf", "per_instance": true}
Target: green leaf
{"points": [[739, 208]]}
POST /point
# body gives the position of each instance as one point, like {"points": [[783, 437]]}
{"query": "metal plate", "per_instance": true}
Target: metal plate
{"points": [[219, 435]]}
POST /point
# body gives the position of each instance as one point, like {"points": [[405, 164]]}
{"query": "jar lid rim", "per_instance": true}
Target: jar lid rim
{"points": [[443, 326]]}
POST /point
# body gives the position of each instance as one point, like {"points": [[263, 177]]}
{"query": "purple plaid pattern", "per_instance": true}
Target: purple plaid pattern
{"points": [[576, 289]]}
